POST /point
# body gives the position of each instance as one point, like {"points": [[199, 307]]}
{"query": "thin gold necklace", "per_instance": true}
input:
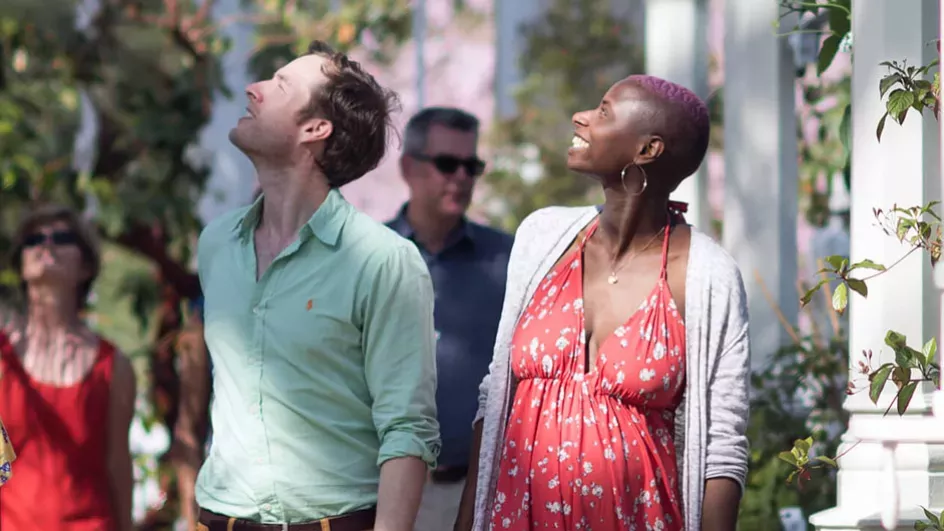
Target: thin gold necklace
{"points": [[613, 278]]}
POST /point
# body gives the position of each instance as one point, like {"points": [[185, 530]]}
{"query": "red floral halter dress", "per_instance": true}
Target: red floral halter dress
{"points": [[592, 450]]}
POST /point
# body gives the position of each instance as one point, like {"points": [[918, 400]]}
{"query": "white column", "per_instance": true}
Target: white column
{"points": [[419, 40], [903, 169], [676, 49], [509, 44], [760, 176]]}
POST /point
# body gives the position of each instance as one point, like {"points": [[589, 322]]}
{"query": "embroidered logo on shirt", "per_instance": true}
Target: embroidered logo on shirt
{"points": [[308, 306]]}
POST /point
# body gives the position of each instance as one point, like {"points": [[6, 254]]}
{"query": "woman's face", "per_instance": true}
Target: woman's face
{"points": [[608, 138], [51, 256]]}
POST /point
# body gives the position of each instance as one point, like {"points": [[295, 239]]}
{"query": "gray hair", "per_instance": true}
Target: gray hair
{"points": [[417, 129]]}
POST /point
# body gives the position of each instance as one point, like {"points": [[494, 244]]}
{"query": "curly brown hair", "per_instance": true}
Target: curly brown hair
{"points": [[360, 111]]}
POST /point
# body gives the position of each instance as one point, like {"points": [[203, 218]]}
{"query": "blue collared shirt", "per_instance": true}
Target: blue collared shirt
{"points": [[469, 282]]}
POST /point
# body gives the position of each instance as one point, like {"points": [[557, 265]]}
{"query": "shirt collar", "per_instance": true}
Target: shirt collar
{"points": [[325, 224], [464, 231]]}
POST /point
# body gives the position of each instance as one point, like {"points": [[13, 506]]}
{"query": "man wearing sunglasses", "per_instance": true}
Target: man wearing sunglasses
{"points": [[467, 262]]}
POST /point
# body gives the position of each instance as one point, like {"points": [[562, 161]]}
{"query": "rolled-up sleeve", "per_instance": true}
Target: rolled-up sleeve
{"points": [[400, 358]]}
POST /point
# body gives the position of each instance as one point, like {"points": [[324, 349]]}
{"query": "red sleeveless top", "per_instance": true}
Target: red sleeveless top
{"points": [[60, 436]]}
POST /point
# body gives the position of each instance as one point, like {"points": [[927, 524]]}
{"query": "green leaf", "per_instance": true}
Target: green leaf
{"points": [[904, 397], [828, 460], [840, 298], [827, 53], [877, 382], [867, 264], [808, 296], [921, 526], [836, 262], [858, 286], [904, 359], [788, 457], [930, 350], [898, 102], [932, 518], [886, 83], [845, 129], [895, 340], [881, 127], [839, 21]]}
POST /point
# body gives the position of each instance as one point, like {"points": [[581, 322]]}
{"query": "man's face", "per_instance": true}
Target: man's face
{"points": [[271, 127], [442, 177]]}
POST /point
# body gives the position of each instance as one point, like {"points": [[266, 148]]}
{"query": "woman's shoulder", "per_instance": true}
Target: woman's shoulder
{"points": [[710, 261], [551, 221]]}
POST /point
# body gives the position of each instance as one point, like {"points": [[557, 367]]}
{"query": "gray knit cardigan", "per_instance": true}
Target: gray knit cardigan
{"points": [[710, 423]]}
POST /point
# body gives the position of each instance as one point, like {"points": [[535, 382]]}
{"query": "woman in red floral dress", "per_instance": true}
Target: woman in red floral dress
{"points": [[592, 447]]}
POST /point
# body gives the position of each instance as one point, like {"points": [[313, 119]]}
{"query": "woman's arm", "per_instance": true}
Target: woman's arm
{"points": [[728, 407], [120, 414], [466, 516], [720, 507]]}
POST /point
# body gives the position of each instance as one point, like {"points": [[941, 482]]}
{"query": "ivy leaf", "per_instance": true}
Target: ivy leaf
{"points": [[827, 53], [921, 526], [877, 381], [904, 397], [858, 286], [841, 298]]}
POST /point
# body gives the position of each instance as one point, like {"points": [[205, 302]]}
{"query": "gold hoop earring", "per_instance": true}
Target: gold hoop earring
{"points": [[645, 179]]}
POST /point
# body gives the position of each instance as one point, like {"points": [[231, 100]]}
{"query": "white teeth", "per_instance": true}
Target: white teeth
{"points": [[579, 143]]}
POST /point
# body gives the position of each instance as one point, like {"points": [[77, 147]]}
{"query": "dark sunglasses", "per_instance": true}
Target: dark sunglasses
{"points": [[57, 238], [449, 164]]}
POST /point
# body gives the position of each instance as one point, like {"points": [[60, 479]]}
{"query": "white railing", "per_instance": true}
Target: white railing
{"points": [[931, 428]]}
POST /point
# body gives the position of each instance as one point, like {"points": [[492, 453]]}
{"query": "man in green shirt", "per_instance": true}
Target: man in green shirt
{"points": [[319, 322]]}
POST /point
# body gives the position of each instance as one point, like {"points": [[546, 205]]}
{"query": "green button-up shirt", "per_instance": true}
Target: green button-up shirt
{"points": [[323, 369]]}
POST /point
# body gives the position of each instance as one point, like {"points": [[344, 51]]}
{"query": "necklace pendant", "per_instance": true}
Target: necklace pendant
{"points": [[612, 279]]}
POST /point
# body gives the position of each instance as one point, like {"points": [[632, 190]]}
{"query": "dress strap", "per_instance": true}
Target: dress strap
{"points": [[665, 246]]}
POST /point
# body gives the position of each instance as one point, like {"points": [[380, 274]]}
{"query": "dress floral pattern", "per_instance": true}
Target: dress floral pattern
{"points": [[592, 450]]}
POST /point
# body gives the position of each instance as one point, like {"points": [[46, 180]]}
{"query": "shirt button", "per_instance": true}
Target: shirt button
{"points": [[260, 460], [267, 507]]}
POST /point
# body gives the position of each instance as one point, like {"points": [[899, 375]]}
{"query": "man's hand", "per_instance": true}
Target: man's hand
{"points": [[401, 488]]}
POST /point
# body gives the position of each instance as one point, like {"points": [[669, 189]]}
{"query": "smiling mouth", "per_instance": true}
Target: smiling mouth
{"points": [[579, 143]]}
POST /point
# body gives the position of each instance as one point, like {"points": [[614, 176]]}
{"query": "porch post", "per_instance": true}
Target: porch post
{"points": [[902, 169], [760, 175], [676, 49]]}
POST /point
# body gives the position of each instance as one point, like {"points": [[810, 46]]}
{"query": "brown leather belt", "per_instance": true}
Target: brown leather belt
{"points": [[356, 521]]}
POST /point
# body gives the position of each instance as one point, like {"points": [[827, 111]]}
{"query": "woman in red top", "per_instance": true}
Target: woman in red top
{"points": [[66, 395]]}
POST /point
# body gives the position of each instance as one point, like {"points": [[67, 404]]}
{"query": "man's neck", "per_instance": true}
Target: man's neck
{"points": [[430, 229], [290, 198]]}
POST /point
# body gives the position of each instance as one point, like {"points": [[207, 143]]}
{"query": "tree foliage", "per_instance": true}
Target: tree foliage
{"points": [[572, 55]]}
